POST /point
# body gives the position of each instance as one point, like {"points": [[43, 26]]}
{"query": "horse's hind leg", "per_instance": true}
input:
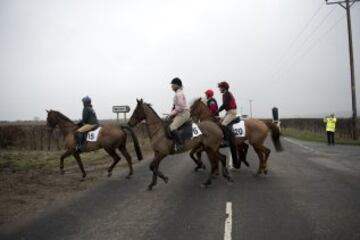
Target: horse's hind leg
{"points": [[65, 155], [79, 162], [116, 159], [267, 154], [260, 154], [127, 156]]}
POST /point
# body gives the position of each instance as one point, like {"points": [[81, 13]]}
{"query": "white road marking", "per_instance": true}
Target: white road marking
{"points": [[228, 221]]}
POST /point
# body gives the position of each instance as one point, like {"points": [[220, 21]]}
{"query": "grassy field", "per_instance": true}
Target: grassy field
{"points": [[315, 137], [42, 160]]}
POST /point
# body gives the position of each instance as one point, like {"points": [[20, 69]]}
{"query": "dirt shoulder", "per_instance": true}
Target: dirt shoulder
{"points": [[30, 180]]}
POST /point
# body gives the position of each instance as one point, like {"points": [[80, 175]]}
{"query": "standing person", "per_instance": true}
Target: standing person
{"points": [[89, 121], [330, 128], [180, 113], [211, 102]]}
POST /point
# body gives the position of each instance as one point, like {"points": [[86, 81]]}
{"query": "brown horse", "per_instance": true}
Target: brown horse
{"points": [[110, 138], [256, 133], [210, 141]]}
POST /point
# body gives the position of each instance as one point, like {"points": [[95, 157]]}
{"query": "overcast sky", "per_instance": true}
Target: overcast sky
{"points": [[52, 53]]}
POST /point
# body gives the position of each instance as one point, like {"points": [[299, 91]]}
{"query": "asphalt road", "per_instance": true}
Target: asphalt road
{"points": [[312, 192]]}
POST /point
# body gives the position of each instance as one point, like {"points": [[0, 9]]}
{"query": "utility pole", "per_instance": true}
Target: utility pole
{"points": [[347, 4], [250, 103]]}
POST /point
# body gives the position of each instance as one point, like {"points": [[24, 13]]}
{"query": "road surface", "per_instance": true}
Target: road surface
{"points": [[312, 192]]}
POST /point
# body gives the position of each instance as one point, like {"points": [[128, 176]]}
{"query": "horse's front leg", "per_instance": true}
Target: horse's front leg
{"points": [[197, 150], [154, 167], [65, 155], [79, 162]]}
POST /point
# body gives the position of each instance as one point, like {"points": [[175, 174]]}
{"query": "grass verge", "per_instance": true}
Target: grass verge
{"points": [[315, 137]]}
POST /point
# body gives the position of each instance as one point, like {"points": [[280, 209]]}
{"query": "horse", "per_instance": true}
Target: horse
{"points": [[256, 133], [162, 146], [110, 138]]}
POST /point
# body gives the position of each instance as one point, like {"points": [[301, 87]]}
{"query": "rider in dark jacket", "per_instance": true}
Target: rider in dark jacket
{"points": [[88, 122]]}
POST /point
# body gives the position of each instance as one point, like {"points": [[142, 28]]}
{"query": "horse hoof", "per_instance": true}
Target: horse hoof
{"points": [[62, 172], [109, 174], [196, 169], [265, 171], [166, 180], [128, 177], [149, 188]]}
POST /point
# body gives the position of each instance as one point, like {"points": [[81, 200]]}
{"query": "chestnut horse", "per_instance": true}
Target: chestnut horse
{"points": [[162, 146], [110, 138], [256, 133]]}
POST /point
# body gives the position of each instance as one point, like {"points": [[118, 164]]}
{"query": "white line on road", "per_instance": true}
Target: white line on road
{"points": [[228, 221]]}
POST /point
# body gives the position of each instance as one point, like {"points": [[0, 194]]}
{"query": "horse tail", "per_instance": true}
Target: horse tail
{"points": [[135, 141], [275, 135]]}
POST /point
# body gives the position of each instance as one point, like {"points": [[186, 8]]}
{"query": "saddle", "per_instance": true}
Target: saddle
{"points": [[185, 131]]}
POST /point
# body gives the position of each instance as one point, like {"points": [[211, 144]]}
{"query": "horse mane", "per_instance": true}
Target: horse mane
{"points": [[151, 108], [62, 116]]}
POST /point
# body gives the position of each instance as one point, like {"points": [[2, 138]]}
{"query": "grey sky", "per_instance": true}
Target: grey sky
{"points": [[52, 53]]}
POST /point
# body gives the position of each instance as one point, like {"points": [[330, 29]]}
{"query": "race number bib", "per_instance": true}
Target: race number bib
{"points": [[196, 130], [239, 129], [93, 135]]}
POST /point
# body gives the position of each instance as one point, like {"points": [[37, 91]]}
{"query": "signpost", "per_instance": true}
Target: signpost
{"points": [[121, 109]]}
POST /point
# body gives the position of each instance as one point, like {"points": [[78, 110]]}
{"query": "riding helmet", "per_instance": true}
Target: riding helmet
{"points": [[224, 85], [209, 93], [176, 81]]}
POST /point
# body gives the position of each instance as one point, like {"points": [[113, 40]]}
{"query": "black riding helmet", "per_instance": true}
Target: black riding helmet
{"points": [[177, 81]]}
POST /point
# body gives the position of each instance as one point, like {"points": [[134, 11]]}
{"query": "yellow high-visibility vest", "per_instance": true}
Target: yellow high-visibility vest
{"points": [[330, 124]]}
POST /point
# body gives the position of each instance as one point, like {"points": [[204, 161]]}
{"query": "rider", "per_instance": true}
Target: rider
{"points": [[180, 112], [88, 122], [229, 104], [211, 102]]}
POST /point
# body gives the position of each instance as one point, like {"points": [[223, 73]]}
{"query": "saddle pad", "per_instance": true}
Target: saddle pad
{"points": [[92, 136], [239, 129], [195, 130]]}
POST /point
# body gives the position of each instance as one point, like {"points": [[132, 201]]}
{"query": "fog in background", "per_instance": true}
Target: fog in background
{"points": [[285, 53]]}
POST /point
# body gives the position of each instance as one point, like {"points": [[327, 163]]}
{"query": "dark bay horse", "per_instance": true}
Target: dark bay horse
{"points": [[256, 133], [110, 138], [209, 141]]}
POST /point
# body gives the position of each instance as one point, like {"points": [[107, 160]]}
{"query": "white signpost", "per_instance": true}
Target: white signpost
{"points": [[121, 109]]}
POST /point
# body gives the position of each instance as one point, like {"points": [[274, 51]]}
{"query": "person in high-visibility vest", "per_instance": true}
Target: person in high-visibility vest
{"points": [[330, 128]]}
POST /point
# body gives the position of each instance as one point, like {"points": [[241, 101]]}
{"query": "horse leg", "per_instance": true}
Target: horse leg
{"points": [[79, 162], [116, 159], [266, 152], [197, 150], [154, 167], [225, 170], [127, 156], [212, 156], [259, 152], [246, 148], [65, 155]]}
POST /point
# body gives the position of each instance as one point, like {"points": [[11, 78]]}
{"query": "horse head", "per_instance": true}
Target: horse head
{"points": [[138, 114], [51, 120]]}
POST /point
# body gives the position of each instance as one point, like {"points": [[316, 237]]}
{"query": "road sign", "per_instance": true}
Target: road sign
{"points": [[121, 109]]}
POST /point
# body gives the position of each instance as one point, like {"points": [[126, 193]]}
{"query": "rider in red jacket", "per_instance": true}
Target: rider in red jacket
{"points": [[211, 102]]}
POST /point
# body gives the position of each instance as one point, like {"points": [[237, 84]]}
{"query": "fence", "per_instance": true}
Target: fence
{"points": [[36, 137]]}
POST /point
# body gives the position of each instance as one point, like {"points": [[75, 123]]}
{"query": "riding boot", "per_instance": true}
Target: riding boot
{"points": [[79, 137], [179, 145], [230, 138]]}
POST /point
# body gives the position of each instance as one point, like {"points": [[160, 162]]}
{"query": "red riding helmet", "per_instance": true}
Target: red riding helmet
{"points": [[224, 85], [209, 93]]}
